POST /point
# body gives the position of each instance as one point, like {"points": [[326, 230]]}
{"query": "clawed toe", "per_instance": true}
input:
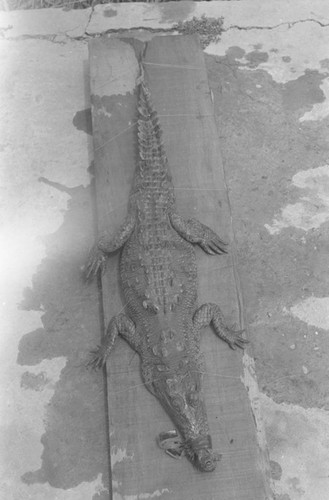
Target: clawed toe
{"points": [[96, 359], [241, 343], [219, 245], [236, 339], [206, 248], [96, 262], [213, 247], [216, 247]]}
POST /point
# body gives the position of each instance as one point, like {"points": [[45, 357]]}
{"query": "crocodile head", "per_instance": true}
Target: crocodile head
{"points": [[200, 452], [180, 394]]}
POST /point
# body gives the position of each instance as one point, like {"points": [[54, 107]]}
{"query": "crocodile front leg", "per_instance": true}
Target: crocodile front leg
{"points": [[107, 244], [195, 232], [211, 313], [119, 325]]}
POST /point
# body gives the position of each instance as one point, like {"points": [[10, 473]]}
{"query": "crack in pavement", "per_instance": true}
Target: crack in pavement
{"points": [[90, 15], [86, 35], [134, 28], [287, 23], [50, 38]]}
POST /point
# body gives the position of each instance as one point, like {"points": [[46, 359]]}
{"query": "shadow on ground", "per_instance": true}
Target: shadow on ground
{"points": [[75, 439]]}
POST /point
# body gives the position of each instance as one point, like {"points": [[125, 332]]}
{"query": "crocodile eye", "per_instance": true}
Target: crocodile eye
{"points": [[192, 398], [177, 403]]}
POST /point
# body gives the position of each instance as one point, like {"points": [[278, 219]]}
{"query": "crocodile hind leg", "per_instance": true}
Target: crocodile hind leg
{"points": [[107, 244], [211, 313], [195, 232], [119, 325]]}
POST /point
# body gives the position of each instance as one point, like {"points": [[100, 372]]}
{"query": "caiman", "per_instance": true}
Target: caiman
{"points": [[158, 273]]}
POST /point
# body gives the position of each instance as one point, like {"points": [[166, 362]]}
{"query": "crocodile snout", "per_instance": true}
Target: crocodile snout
{"points": [[204, 457], [205, 460]]}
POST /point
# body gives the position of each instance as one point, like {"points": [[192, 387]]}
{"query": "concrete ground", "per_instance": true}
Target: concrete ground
{"points": [[269, 78]]}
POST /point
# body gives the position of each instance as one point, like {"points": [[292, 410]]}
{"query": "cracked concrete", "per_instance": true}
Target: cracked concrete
{"points": [[112, 18], [34, 23], [289, 24], [249, 16], [269, 78]]}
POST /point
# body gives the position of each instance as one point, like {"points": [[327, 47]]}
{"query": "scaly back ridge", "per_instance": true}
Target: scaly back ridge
{"points": [[150, 146]]}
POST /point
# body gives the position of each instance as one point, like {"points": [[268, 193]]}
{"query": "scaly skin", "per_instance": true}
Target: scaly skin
{"points": [[159, 281]]}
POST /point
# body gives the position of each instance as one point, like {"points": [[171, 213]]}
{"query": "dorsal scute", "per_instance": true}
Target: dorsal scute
{"points": [[149, 131], [152, 178]]}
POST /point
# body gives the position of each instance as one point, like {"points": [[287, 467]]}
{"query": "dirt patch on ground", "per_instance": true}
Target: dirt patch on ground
{"points": [[263, 146]]}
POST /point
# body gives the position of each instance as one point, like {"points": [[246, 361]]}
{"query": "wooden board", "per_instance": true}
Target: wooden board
{"points": [[176, 74]]}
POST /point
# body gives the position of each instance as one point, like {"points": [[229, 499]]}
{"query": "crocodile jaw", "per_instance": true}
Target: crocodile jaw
{"points": [[180, 394], [201, 454]]}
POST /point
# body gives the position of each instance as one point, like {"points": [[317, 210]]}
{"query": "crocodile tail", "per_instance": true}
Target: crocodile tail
{"points": [[150, 145]]}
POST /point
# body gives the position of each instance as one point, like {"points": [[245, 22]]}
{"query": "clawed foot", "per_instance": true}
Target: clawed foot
{"points": [[97, 358], [195, 232], [96, 262], [212, 244], [235, 339]]}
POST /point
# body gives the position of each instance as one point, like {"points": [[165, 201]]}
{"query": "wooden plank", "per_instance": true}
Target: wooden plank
{"points": [[177, 78]]}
